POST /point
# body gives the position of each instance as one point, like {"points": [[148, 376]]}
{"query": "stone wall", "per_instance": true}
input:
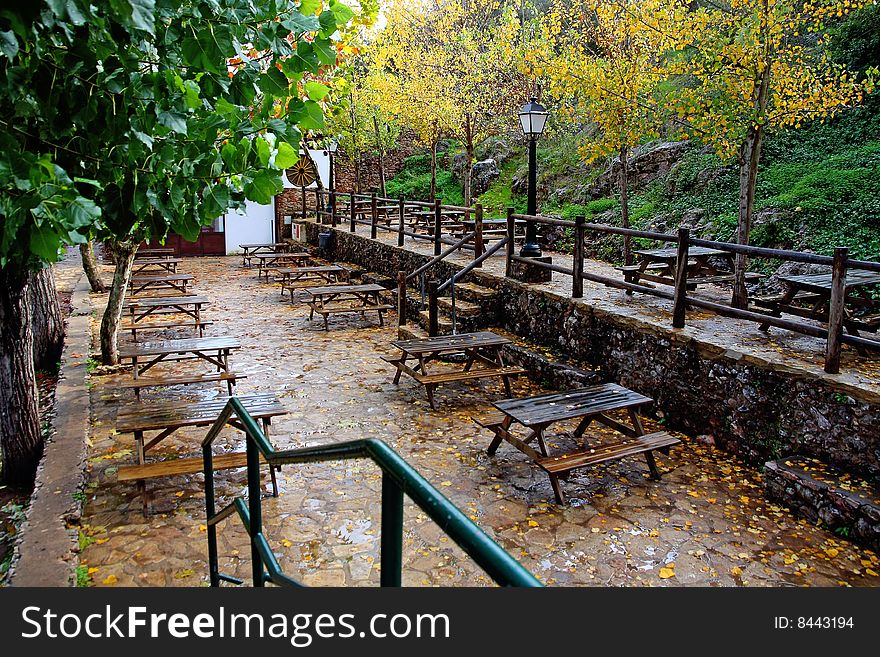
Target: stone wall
{"points": [[753, 408]]}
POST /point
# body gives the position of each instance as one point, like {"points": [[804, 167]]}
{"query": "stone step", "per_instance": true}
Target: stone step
{"points": [[475, 293], [411, 332], [848, 505], [379, 279], [462, 308], [443, 323]]}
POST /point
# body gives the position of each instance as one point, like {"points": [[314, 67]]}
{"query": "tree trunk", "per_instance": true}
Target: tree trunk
{"points": [[469, 152], [124, 255], [433, 171], [750, 155], [624, 204], [21, 443], [90, 266], [381, 151], [47, 325]]}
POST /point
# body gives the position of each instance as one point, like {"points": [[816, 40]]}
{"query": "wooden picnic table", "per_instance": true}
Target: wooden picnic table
{"points": [[593, 403], [483, 348], [215, 351], [163, 252], [659, 266], [250, 250], [809, 296], [268, 261], [347, 299], [143, 283], [152, 264], [167, 418], [142, 308], [296, 277]]}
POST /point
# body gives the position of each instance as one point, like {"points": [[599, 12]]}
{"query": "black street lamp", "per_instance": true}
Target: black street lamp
{"points": [[532, 119], [332, 147]]}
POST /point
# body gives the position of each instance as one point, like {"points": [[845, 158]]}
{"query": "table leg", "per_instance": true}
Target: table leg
{"points": [[499, 436], [640, 431], [557, 489]]}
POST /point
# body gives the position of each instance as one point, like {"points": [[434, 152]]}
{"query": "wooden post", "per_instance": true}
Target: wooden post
{"points": [[679, 304], [438, 223], [433, 311], [478, 233], [577, 265], [401, 225], [375, 216], [303, 189], [333, 220], [353, 209], [511, 224], [401, 298], [836, 310]]}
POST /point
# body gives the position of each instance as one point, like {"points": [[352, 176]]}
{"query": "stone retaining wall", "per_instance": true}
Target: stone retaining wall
{"points": [[756, 409]]}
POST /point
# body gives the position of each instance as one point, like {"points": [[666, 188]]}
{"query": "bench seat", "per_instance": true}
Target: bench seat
{"points": [[491, 422], [465, 376], [561, 464], [156, 326], [230, 378]]}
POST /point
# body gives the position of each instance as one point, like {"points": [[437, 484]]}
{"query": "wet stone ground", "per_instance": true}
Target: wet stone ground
{"points": [[705, 524]]}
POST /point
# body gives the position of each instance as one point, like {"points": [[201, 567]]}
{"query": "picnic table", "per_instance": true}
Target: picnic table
{"points": [[250, 250], [144, 283], [347, 299], [294, 277], [164, 419], [144, 307], [491, 227], [163, 252], [809, 296], [153, 264], [483, 348], [593, 403], [425, 219], [659, 266], [144, 356], [268, 261]]}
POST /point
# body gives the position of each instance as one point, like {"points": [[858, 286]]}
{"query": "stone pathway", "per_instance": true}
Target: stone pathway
{"points": [[705, 523]]}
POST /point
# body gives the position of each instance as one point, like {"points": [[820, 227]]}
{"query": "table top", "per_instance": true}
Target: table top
{"points": [[262, 246], [183, 345], [308, 270], [156, 261], [157, 278], [854, 278], [672, 253], [571, 404], [167, 301], [149, 252], [341, 289], [147, 417], [282, 256], [451, 342]]}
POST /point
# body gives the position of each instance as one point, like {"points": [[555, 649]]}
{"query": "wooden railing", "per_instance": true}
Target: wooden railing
{"points": [[832, 332]]}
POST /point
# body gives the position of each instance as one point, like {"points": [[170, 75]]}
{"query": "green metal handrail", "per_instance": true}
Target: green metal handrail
{"points": [[398, 478]]}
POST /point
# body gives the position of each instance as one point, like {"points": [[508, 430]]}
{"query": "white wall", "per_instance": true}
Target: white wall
{"points": [[254, 227], [322, 162]]}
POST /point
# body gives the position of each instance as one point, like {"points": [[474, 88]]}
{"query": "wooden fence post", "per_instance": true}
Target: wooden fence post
{"points": [[679, 304], [438, 224], [401, 298], [836, 310], [303, 189], [577, 265], [433, 312], [374, 208], [511, 224], [353, 212], [478, 233], [401, 224]]}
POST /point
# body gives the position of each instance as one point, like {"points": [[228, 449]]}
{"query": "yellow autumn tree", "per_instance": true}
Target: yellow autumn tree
{"points": [[604, 62], [751, 66]]}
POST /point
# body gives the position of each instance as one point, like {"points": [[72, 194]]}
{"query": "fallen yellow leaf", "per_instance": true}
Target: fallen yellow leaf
{"points": [[666, 573], [110, 580]]}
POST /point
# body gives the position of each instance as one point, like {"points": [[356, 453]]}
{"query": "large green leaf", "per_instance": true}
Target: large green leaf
{"points": [[274, 82], [176, 121], [310, 7], [316, 91], [45, 242], [325, 51], [287, 156], [264, 186], [8, 44], [298, 23]]}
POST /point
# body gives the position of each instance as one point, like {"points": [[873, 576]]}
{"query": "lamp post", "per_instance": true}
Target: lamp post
{"points": [[332, 147], [532, 119]]}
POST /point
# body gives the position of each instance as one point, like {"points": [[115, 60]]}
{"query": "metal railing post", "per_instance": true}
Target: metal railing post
{"points": [[375, 216], [478, 233], [836, 310], [333, 219], [255, 508], [577, 265], [438, 224], [511, 224], [353, 209], [391, 540], [401, 221], [679, 304], [433, 311], [210, 510], [401, 298]]}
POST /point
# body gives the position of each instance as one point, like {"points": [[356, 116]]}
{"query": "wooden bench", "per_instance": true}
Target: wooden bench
{"points": [[347, 299], [326, 311], [230, 378], [449, 377], [157, 326], [558, 465]]}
